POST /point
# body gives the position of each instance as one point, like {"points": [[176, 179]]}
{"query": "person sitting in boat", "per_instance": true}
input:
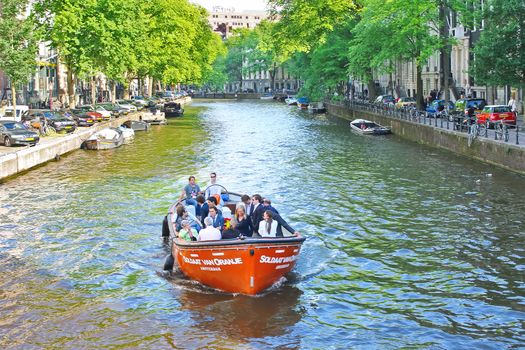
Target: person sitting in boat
{"points": [[183, 214], [247, 201], [190, 192], [241, 224], [267, 204], [187, 232], [363, 126], [200, 202], [209, 233], [272, 224], [205, 208], [216, 216]]}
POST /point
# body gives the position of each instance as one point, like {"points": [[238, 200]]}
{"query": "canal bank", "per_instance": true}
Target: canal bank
{"points": [[19, 159], [50, 148], [509, 156]]}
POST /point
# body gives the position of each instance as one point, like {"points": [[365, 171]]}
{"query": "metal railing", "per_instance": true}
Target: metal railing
{"points": [[441, 120]]}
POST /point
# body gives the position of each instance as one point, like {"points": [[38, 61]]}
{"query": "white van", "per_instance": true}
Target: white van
{"points": [[20, 111]]}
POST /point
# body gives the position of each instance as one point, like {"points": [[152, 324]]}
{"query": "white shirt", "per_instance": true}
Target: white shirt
{"points": [[209, 233], [213, 189], [273, 230]]}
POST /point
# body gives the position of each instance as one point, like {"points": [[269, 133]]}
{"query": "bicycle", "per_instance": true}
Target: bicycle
{"points": [[46, 129], [501, 131], [475, 130]]}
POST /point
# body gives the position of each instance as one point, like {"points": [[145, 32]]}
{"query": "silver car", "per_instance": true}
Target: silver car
{"points": [[14, 133]]}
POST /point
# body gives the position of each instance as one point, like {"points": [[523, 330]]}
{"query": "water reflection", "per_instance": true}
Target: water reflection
{"points": [[241, 317]]}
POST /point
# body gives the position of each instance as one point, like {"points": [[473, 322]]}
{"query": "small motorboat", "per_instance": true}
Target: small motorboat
{"points": [[367, 127], [127, 133], [154, 116], [173, 109], [107, 138], [267, 96], [246, 265], [303, 102], [291, 101], [318, 107], [137, 125]]}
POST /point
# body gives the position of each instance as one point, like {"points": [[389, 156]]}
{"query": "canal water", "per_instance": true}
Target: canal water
{"points": [[407, 246]]}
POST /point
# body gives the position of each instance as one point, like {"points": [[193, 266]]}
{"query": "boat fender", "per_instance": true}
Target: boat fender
{"points": [[252, 252], [169, 262], [165, 227]]}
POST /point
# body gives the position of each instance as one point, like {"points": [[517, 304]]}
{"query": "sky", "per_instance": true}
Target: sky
{"points": [[239, 5]]}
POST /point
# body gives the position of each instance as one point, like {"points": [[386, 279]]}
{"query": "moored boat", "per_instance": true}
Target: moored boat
{"points": [[154, 117], [137, 125], [246, 265], [318, 107], [267, 96], [127, 133], [303, 102], [173, 109], [291, 101], [107, 138], [368, 127]]}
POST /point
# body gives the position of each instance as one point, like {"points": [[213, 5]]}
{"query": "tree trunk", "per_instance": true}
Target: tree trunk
{"points": [[444, 52], [419, 86], [70, 88], [113, 91], [13, 98], [93, 90]]}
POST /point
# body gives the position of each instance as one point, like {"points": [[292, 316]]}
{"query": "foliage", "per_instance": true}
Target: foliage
{"points": [[500, 51], [305, 24], [18, 41]]}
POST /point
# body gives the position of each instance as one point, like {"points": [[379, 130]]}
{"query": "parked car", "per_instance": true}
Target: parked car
{"points": [[104, 114], [405, 102], [476, 105], [437, 106], [140, 100], [493, 113], [385, 99], [15, 133], [114, 108], [126, 105], [83, 119], [58, 121], [21, 111]]}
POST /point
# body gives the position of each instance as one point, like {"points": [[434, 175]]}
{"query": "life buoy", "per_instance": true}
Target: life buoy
{"points": [[218, 198]]}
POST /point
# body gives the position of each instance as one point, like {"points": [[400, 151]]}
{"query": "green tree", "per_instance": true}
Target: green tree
{"points": [[499, 54], [18, 43], [398, 31]]}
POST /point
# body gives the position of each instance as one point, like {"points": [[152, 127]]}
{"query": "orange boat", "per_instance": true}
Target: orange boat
{"points": [[246, 265]]}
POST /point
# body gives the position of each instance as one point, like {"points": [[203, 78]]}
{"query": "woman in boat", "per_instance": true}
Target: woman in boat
{"points": [[187, 232], [241, 223], [272, 224]]}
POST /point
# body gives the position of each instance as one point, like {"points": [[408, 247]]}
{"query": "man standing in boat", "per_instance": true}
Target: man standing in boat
{"points": [[257, 212], [190, 192]]}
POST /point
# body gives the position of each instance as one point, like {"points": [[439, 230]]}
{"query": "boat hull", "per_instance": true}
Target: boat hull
{"points": [[246, 266]]}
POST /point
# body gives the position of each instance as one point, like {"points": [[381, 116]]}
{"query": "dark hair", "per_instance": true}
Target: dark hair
{"points": [[245, 198], [191, 177], [269, 213], [180, 210], [214, 208], [213, 200], [258, 197], [200, 199], [266, 200], [214, 174]]}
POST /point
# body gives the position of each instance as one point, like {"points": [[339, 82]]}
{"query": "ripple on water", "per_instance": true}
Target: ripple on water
{"points": [[408, 247]]}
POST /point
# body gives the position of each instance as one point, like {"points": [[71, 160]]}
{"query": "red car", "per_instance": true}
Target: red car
{"points": [[494, 113]]}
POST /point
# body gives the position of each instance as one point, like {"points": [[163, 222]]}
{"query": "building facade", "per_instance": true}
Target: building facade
{"points": [[225, 20]]}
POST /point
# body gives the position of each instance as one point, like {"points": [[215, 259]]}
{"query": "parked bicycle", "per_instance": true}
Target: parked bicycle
{"points": [[476, 130], [502, 130]]}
